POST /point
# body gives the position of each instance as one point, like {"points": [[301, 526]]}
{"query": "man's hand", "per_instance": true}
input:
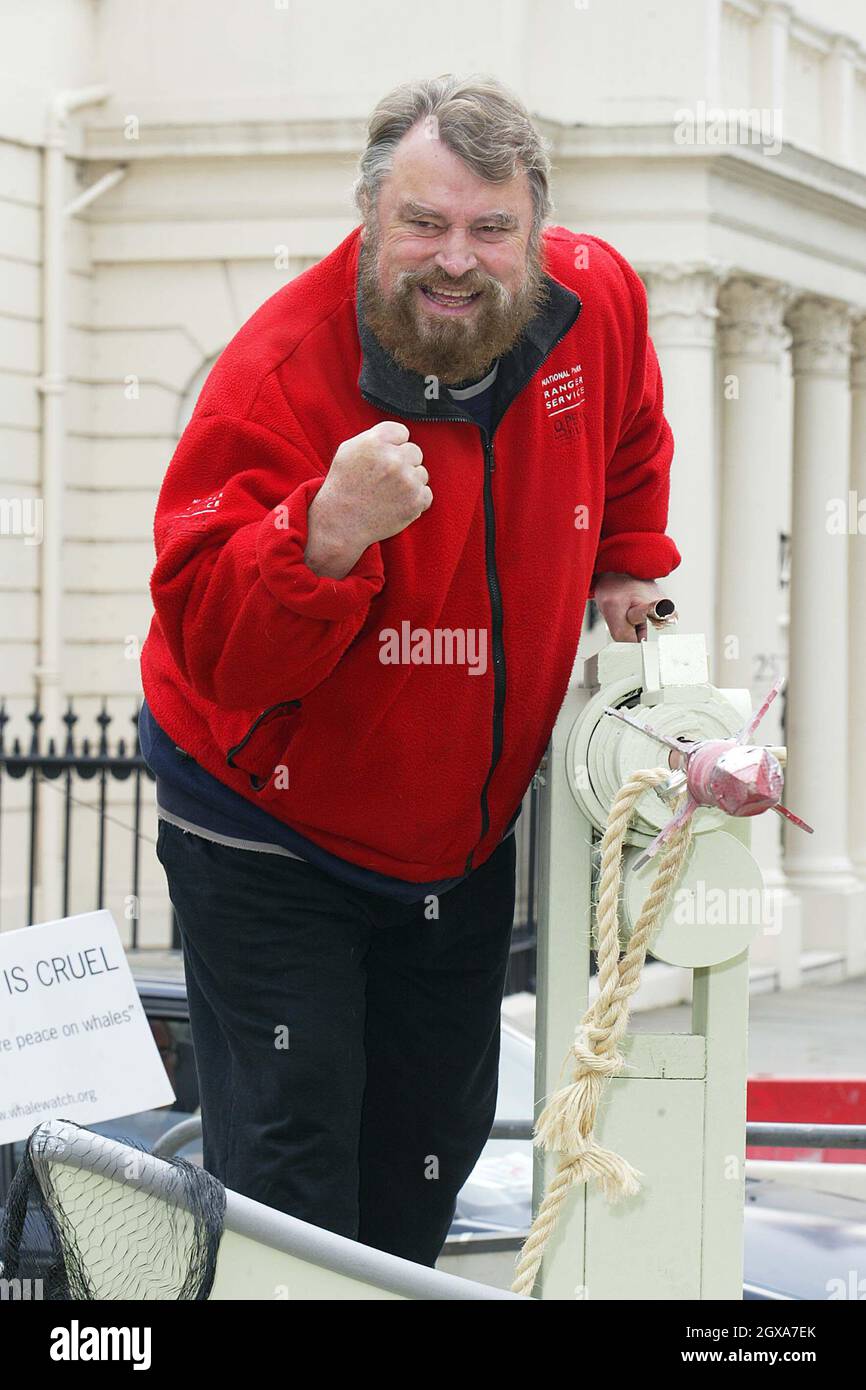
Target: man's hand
{"points": [[619, 595], [376, 486]]}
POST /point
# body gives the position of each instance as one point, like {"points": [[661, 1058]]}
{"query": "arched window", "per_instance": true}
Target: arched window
{"points": [[192, 393]]}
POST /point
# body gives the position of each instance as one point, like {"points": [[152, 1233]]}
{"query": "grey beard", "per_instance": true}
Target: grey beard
{"points": [[448, 349]]}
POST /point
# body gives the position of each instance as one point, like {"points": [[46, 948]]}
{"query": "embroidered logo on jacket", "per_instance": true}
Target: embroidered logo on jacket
{"points": [[201, 506], [563, 391]]}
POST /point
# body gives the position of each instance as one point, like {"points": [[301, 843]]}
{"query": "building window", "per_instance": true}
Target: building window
{"points": [[192, 393]]}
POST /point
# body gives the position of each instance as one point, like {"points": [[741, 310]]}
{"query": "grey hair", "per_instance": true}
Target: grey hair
{"points": [[479, 119]]}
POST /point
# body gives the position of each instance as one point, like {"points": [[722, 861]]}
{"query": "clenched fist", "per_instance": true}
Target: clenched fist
{"points": [[376, 486]]}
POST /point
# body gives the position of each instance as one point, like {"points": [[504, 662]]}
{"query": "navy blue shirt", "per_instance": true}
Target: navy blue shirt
{"points": [[190, 797], [477, 398]]}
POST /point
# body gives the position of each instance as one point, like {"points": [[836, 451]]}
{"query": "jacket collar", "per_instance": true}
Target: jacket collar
{"points": [[384, 383]]}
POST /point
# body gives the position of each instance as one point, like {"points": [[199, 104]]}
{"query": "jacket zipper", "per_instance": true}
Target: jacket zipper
{"points": [[493, 589], [496, 639], [237, 747]]}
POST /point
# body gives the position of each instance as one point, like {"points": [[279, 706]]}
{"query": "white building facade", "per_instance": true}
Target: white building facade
{"points": [[166, 167]]}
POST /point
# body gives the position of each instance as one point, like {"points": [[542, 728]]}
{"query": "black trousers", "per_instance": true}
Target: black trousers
{"points": [[347, 1045]]}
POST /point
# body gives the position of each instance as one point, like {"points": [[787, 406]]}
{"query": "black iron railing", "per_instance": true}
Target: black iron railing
{"points": [[79, 761]]}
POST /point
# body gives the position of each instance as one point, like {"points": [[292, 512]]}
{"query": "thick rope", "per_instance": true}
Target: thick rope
{"points": [[567, 1123]]}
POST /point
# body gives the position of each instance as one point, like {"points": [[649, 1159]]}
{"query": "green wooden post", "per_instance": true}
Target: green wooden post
{"points": [[677, 1109]]}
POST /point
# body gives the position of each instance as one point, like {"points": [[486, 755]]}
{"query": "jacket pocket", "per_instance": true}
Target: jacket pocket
{"points": [[259, 751]]}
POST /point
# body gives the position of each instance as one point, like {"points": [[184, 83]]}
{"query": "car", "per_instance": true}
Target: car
{"points": [[796, 1240]]}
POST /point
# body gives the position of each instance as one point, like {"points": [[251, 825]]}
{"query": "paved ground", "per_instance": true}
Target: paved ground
{"points": [[818, 1030]]}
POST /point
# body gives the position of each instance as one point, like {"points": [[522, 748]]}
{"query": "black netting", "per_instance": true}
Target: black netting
{"points": [[88, 1232]]}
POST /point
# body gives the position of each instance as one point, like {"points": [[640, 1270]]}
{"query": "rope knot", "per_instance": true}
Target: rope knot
{"points": [[614, 1175], [566, 1123], [591, 1063]]}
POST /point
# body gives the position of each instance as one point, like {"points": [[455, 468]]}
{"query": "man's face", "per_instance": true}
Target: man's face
{"points": [[448, 275]]}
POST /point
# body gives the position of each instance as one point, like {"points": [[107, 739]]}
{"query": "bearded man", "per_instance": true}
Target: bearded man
{"points": [[435, 444]]}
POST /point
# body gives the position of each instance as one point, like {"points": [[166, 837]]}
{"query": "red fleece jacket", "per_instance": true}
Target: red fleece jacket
{"points": [[283, 684]]}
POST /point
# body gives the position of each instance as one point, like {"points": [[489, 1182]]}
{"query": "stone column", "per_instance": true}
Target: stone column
{"points": [[770, 55], [857, 590], [838, 98], [751, 651], [818, 866], [682, 324]]}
